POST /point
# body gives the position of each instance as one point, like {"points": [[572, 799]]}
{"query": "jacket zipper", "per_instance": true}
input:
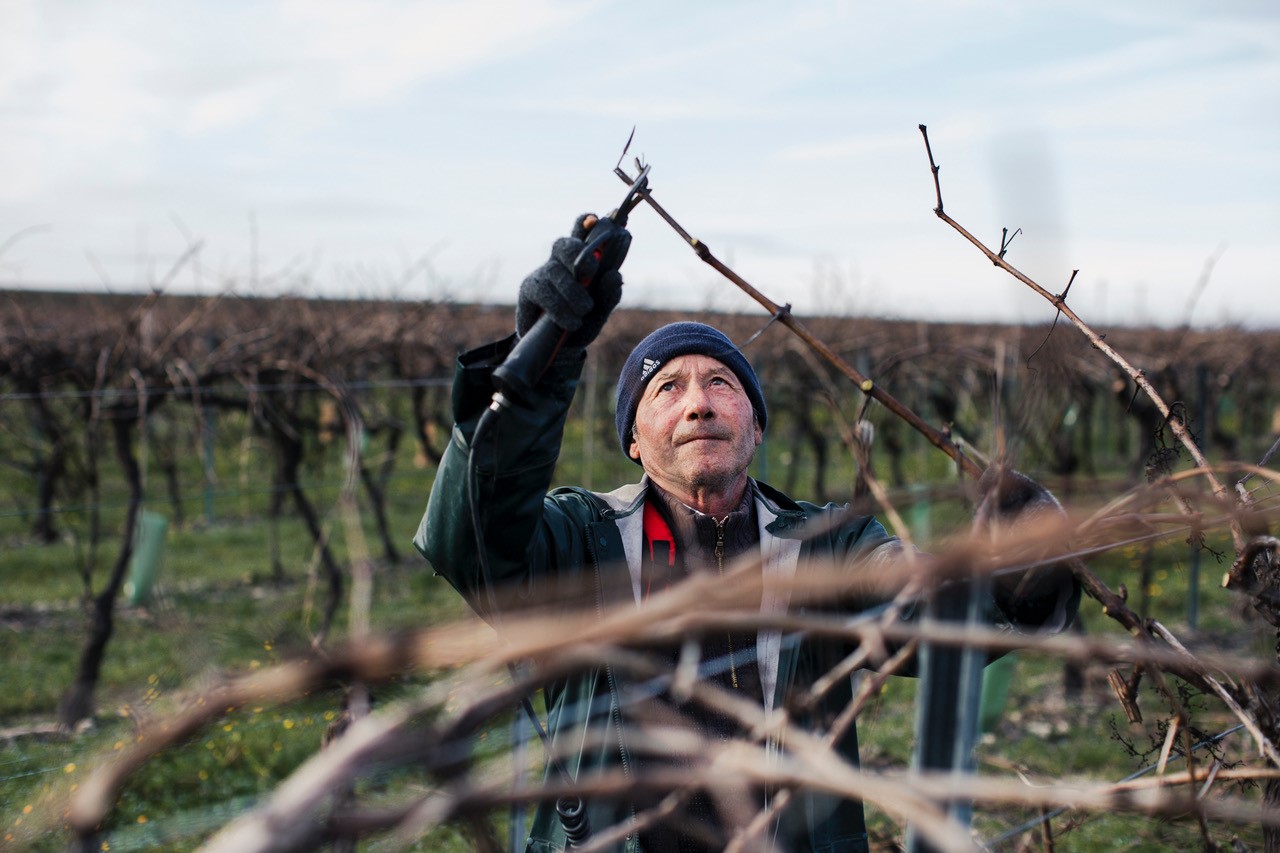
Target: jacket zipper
{"points": [[733, 668]]}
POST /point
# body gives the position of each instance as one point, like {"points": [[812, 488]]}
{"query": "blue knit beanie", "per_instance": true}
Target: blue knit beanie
{"points": [[673, 341]]}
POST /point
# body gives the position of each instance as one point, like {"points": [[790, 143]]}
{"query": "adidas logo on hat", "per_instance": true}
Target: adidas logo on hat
{"points": [[648, 366]]}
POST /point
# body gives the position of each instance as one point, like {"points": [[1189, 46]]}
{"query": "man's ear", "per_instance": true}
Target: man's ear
{"points": [[759, 433], [634, 450]]}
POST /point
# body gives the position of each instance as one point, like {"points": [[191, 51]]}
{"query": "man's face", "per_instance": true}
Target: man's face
{"points": [[695, 429]]}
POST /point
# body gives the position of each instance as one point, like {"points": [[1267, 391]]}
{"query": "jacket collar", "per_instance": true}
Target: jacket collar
{"points": [[624, 501], [787, 516], [781, 520]]}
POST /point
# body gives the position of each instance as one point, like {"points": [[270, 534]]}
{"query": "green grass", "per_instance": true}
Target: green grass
{"points": [[1048, 736], [216, 610]]}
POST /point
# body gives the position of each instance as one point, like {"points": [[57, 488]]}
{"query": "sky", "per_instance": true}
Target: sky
{"points": [[433, 150]]}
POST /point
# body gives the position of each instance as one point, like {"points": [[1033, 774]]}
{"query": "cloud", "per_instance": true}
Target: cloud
{"points": [[230, 107], [19, 50], [384, 47], [135, 71], [66, 92], [1135, 59], [859, 145], [359, 127], [88, 89]]}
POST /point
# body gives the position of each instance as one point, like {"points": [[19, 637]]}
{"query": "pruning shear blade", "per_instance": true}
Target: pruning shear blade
{"points": [[633, 197]]}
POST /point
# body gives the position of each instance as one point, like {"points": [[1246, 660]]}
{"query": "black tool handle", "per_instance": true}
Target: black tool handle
{"points": [[606, 245]]}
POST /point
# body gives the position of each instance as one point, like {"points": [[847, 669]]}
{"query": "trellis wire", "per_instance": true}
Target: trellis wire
{"points": [[188, 496], [134, 393]]}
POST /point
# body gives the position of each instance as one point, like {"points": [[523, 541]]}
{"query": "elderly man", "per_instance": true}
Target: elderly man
{"points": [[691, 413]]}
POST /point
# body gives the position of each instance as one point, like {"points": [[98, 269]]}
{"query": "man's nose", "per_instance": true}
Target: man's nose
{"points": [[697, 403]]}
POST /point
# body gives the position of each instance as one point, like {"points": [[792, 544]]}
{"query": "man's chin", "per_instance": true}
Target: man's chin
{"points": [[713, 478]]}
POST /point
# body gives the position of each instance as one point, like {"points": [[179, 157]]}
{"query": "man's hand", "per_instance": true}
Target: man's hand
{"points": [[1007, 494], [1036, 596], [554, 288]]}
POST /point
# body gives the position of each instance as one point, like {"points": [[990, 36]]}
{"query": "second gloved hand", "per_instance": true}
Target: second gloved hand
{"points": [[1043, 596], [554, 289]]}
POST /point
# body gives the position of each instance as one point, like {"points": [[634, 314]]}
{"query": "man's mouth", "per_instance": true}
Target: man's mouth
{"points": [[703, 436]]}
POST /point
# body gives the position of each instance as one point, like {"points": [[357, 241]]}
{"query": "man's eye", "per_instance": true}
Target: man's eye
{"points": [[667, 386]]}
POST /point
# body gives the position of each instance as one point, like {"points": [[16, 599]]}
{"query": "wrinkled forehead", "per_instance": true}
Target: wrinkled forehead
{"points": [[683, 365]]}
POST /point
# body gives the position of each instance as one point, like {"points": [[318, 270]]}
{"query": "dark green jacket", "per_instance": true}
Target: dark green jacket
{"points": [[573, 544]]}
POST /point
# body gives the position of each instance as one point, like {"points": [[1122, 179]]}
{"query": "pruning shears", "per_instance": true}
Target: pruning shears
{"points": [[608, 240], [606, 248]]}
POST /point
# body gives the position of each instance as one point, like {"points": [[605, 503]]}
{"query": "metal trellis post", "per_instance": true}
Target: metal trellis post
{"points": [[949, 699]]}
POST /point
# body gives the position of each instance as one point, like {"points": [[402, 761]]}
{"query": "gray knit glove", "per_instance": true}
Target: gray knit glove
{"points": [[553, 288]]}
